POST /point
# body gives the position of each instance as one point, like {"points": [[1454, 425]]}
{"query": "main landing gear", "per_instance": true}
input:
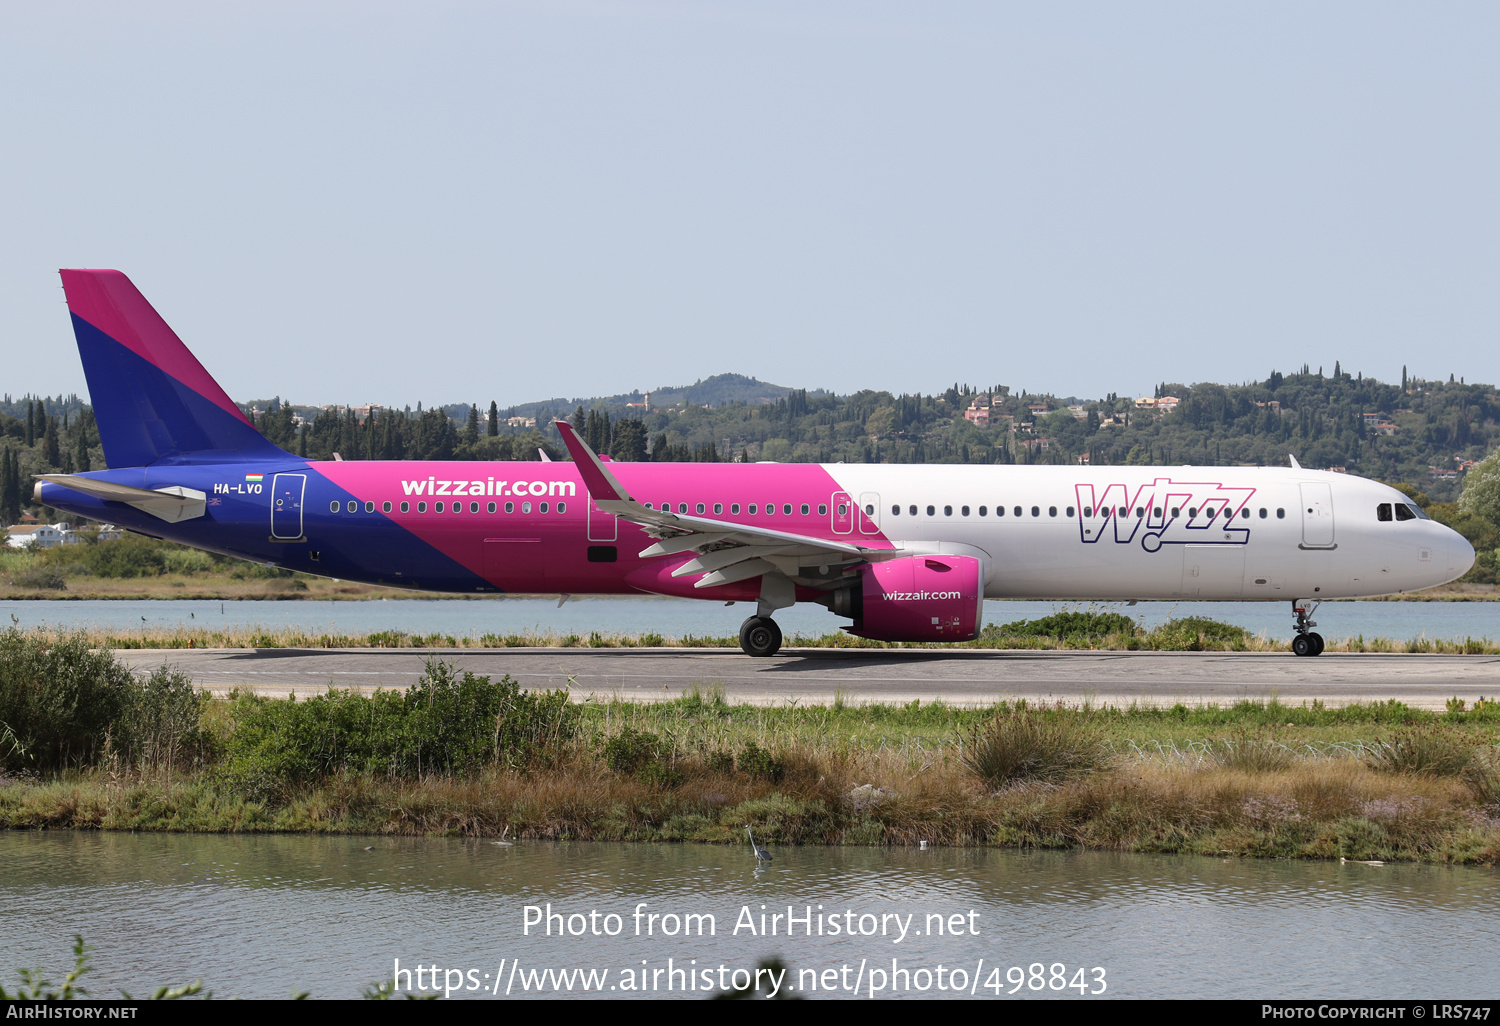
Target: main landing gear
{"points": [[1307, 642], [759, 636]]}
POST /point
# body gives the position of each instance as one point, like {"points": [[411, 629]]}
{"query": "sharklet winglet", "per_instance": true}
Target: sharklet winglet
{"points": [[602, 485]]}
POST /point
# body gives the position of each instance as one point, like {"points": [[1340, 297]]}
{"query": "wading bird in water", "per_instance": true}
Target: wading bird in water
{"points": [[761, 855]]}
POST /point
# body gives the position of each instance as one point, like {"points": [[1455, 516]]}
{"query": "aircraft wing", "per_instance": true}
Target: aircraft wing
{"points": [[724, 552]]}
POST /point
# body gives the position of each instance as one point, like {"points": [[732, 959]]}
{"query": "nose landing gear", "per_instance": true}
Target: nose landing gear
{"points": [[760, 636], [1307, 642]]}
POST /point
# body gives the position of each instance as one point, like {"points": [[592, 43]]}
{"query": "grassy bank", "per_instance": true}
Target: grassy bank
{"points": [[87, 746]]}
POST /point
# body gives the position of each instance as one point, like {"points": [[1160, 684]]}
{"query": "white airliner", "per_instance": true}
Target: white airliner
{"points": [[907, 553]]}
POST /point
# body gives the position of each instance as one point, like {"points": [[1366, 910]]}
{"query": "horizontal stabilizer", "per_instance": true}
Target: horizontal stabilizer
{"points": [[171, 504]]}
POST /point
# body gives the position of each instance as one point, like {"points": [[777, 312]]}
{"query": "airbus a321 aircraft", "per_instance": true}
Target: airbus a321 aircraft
{"points": [[907, 553]]}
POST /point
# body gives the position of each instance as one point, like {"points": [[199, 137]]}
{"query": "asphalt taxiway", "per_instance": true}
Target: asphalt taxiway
{"points": [[819, 676]]}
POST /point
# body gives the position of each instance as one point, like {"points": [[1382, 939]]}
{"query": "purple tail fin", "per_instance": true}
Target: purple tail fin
{"points": [[152, 399]]}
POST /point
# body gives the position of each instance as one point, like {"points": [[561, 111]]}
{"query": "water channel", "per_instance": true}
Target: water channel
{"points": [[680, 617], [262, 916]]}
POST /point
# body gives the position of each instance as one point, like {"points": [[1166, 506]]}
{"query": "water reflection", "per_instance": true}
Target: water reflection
{"points": [[263, 915]]}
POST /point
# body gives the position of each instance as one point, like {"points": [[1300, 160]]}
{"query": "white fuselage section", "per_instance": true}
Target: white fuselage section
{"points": [[1209, 533]]}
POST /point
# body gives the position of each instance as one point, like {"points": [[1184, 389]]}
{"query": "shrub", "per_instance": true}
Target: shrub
{"points": [[161, 724], [445, 723], [1192, 633], [758, 762], [1066, 625], [631, 750], [1021, 745], [57, 701], [43, 577], [129, 556]]}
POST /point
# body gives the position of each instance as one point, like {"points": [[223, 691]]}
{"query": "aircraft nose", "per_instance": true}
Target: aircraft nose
{"points": [[1460, 555]]}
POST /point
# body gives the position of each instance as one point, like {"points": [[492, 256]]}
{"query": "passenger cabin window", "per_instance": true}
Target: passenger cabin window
{"points": [[1281, 514], [895, 510], [406, 507], [786, 508], [1070, 511], [1263, 512], [932, 511], [438, 507], [385, 507], [700, 508], [822, 509], [752, 509], [984, 510], [1088, 511], [912, 510], [1403, 512], [333, 507], [510, 507], [1018, 510], [805, 509], [718, 508], [734, 509], [491, 507], [1052, 511], [421, 507], [964, 510], [353, 505], [869, 509], [1036, 511], [947, 511]]}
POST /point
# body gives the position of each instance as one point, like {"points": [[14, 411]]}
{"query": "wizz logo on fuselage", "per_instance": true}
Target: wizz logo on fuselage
{"points": [[1164, 512]]}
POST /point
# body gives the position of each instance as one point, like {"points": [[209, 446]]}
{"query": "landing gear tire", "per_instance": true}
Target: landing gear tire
{"points": [[759, 636], [1306, 641]]}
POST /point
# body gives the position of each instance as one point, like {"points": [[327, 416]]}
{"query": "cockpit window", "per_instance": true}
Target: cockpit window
{"points": [[1383, 512], [1403, 512]]}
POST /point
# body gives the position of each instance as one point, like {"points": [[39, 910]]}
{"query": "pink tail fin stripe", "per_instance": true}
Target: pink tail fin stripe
{"points": [[110, 302]]}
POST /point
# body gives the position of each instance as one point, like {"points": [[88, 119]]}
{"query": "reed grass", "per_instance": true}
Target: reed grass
{"points": [[1311, 809], [1164, 639]]}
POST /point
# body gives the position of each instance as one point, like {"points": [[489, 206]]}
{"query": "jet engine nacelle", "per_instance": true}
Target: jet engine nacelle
{"points": [[916, 598]]}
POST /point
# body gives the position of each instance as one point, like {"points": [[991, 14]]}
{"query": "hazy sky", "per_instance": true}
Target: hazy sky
{"points": [[350, 202]]}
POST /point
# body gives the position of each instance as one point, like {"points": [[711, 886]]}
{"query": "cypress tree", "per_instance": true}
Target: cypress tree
{"points": [[6, 487], [51, 451], [31, 421], [493, 429]]}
